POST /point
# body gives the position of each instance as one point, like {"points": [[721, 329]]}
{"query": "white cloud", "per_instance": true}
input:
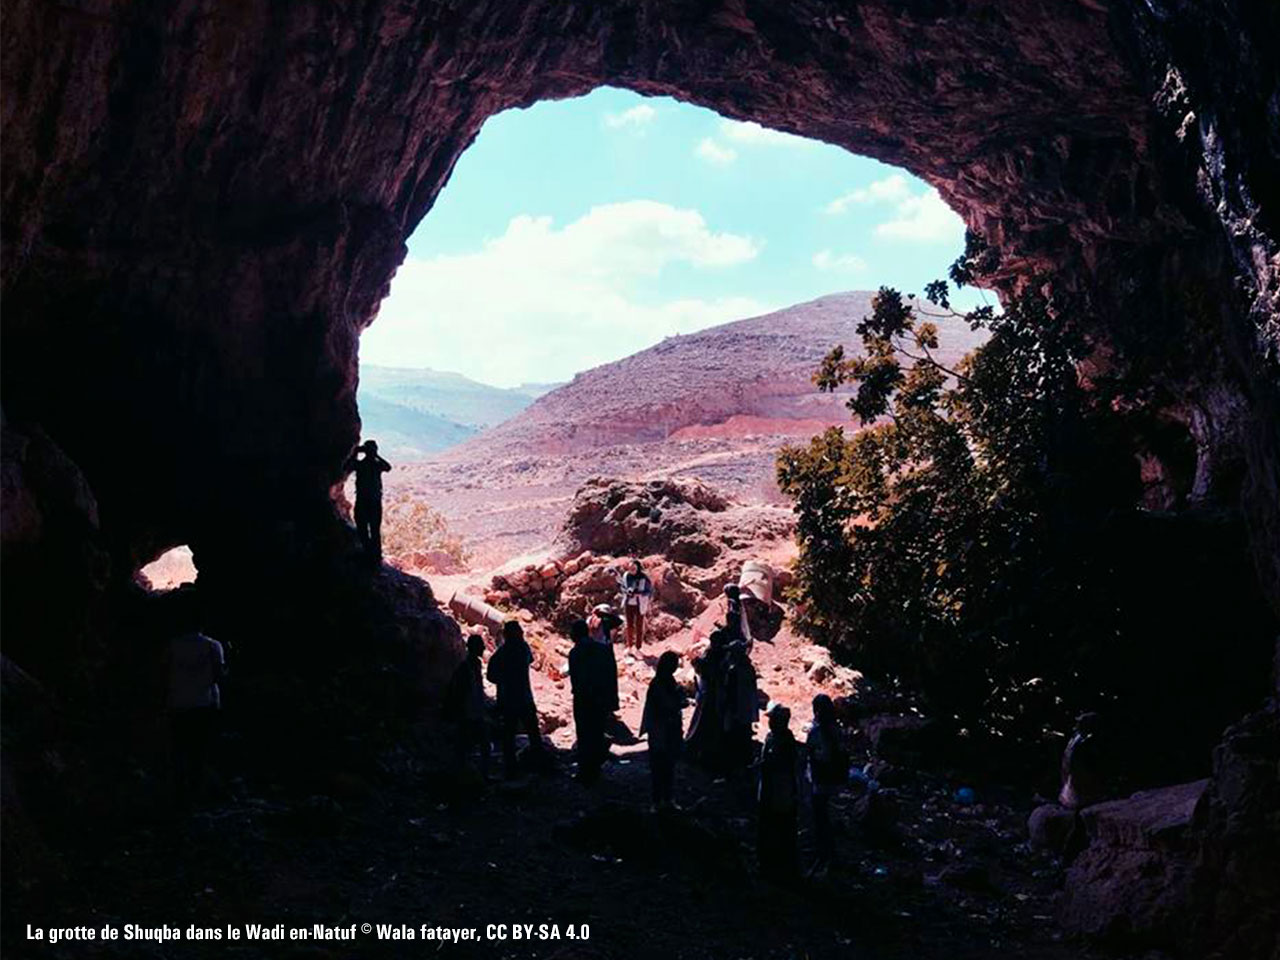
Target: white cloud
{"points": [[922, 217], [638, 116], [926, 218], [891, 188], [750, 132], [713, 152], [542, 302], [844, 262]]}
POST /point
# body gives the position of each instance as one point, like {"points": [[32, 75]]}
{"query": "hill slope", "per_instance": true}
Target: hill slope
{"points": [[716, 405], [749, 376]]}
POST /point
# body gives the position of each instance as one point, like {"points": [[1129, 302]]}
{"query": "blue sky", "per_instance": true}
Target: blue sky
{"points": [[579, 231]]}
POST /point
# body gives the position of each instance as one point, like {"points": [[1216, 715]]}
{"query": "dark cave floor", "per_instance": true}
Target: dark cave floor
{"points": [[958, 883]]}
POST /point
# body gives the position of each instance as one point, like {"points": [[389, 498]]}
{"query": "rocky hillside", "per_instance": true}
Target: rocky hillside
{"points": [[751, 376], [714, 405]]}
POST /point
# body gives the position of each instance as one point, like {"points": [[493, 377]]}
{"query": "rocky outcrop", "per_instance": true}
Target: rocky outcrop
{"points": [[1189, 868], [56, 561], [1237, 887], [1134, 881], [685, 520]]}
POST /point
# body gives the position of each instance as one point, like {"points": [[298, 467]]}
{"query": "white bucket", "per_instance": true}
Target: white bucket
{"points": [[757, 580]]}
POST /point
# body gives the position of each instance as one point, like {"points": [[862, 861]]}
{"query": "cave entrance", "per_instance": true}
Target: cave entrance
{"points": [[576, 233]]}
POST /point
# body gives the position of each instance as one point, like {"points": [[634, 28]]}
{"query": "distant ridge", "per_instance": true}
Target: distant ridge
{"points": [[415, 412], [754, 373]]}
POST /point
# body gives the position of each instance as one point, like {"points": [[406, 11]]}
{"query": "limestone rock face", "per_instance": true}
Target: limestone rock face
{"points": [[1134, 881], [1238, 843]]}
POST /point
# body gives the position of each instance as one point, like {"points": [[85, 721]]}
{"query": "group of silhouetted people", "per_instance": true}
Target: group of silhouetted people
{"points": [[720, 738], [465, 701], [721, 734]]}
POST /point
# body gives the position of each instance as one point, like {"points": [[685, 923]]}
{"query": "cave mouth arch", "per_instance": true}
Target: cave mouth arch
{"points": [[235, 280], [205, 203], [226, 238]]}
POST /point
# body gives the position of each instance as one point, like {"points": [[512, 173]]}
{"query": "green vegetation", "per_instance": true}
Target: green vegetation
{"points": [[953, 543]]}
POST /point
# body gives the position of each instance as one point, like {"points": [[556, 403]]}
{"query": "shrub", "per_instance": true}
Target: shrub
{"points": [[410, 525]]}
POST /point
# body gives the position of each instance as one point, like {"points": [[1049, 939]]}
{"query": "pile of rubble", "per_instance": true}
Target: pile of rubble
{"points": [[535, 583]]}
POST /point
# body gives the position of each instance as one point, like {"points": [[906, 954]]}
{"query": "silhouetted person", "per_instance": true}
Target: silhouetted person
{"points": [[778, 798], [735, 618], [637, 595], [828, 768], [369, 469], [601, 624], [739, 706], [706, 729], [663, 724], [590, 669], [465, 707], [508, 670], [196, 667], [1083, 780]]}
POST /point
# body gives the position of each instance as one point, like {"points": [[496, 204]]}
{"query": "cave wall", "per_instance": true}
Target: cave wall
{"points": [[204, 202]]}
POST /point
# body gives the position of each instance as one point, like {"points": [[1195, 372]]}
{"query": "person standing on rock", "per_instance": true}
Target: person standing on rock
{"points": [[589, 676], [637, 595], [827, 764], [663, 724], [508, 670], [369, 469], [464, 705], [778, 799]]}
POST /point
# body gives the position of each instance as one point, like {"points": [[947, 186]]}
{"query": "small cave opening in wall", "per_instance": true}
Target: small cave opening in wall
{"points": [[172, 569]]}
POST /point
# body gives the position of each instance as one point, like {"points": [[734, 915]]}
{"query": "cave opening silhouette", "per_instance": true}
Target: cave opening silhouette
{"points": [[203, 204]]}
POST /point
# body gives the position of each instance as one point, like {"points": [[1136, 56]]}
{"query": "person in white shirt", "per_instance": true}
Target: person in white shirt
{"points": [[637, 594], [197, 665]]}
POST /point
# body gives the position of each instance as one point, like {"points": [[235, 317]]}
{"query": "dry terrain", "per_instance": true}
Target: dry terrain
{"points": [[716, 405]]}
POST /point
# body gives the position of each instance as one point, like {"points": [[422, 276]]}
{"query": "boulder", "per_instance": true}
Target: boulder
{"points": [[1049, 827], [696, 549], [671, 593], [1133, 883], [662, 625], [1237, 842]]}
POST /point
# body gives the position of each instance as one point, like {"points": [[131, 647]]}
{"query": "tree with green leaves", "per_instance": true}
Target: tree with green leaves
{"points": [[950, 543]]}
